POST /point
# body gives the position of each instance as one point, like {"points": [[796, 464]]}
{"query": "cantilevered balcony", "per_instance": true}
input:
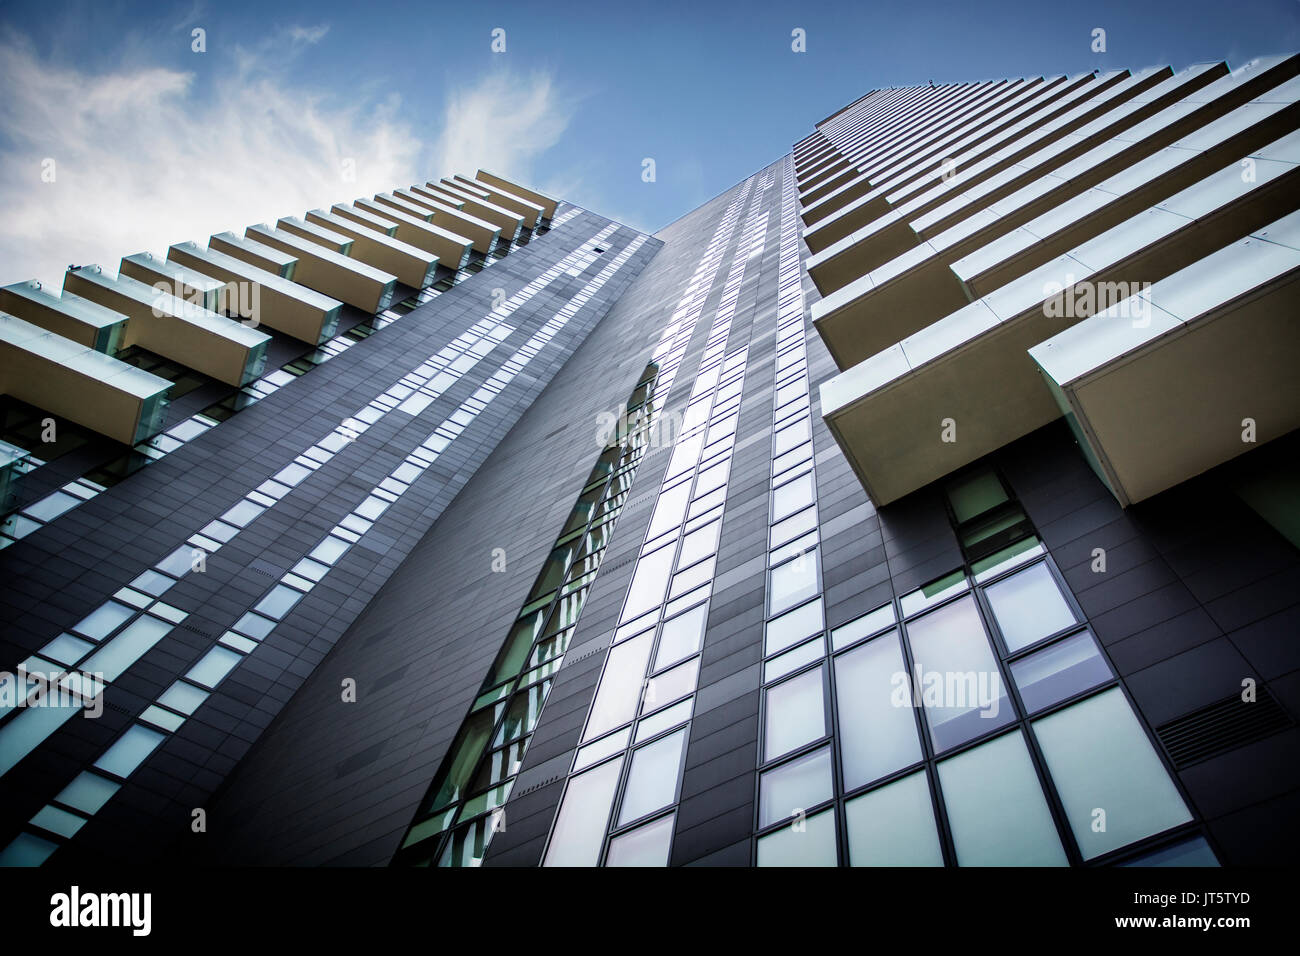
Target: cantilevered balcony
{"points": [[76, 382], [451, 248], [480, 232], [173, 328], [510, 222], [265, 298], [328, 272], [960, 388], [413, 266], [505, 185], [1126, 174], [80, 320], [531, 211], [1208, 374]]}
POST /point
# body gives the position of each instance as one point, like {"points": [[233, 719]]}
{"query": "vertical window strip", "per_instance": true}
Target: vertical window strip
{"points": [[467, 844], [791, 719], [652, 671]]}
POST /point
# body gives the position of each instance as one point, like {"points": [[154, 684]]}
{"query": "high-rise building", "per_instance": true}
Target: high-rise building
{"points": [[930, 497]]}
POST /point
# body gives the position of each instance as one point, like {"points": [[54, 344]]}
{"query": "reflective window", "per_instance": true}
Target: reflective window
{"points": [[699, 543], [868, 624], [113, 658], [649, 582], [647, 845], [975, 494], [996, 808], [661, 721], [103, 620], [129, 751], [893, 825], [670, 509], [652, 780], [788, 438], [278, 601], [88, 792], [214, 665], [1058, 671], [681, 636], [1112, 783], [794, 714], [671, 684], [933, 593], [792, 496], [616, 697], [1028, 606], [580, 825], [793, 582], [792, 627], [810, 842], [795, 786], [1193, 852], [877, 728], [794, 659], [956, 676]]}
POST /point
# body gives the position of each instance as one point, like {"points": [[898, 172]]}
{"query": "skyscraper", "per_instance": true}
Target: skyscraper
{"points": [[927, 498]]}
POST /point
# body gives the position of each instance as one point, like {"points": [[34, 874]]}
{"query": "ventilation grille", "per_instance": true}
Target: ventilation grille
{"points": [[1221, 727]]}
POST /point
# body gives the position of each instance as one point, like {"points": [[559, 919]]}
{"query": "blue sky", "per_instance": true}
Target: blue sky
{"points": [[153, 142]]}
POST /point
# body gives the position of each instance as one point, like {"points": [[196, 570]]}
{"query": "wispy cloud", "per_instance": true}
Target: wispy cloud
{"points": [[309, 35], [143, 159], [502, 123]]}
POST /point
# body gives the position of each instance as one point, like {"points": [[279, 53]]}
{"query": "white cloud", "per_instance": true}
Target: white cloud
{"points": [[143, 160], [501, 124], [309, 35]]}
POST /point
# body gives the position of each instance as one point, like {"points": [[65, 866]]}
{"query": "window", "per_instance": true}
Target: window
{"points": [[795, 786], [787, 438], [794, 659], [877, 736], [671, 684], [661, 721], [616, 697], [1028, 606], [792, 582], [681, 637], [652, 780], [792, 496], [865, 626], [1058, 671], [1102, 762], [699, 543], [580, 824], [669, 510], [956, 675], [893, 825], [1193, 852], [808, 843], [996, 808], [103, 620], [647, 845], [793, 626], [649, 582], [794, 714], [129, 751], [975, 494], [278, 602], [214, 666]]}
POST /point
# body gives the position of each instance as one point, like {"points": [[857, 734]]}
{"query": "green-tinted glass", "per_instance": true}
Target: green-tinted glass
{"points": [[975, 494]]}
